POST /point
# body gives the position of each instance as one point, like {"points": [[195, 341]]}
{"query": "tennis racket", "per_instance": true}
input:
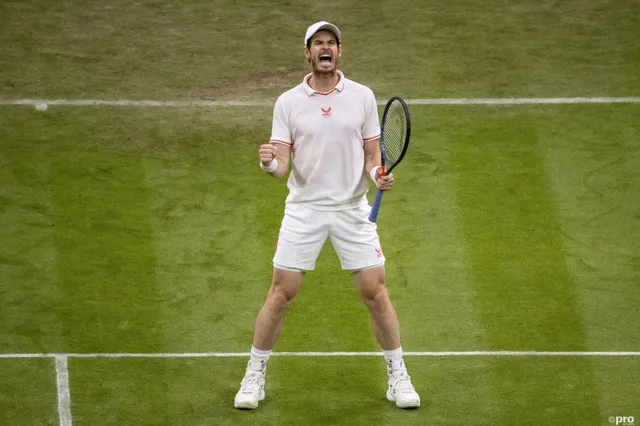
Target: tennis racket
{"points": [[395, 131]]}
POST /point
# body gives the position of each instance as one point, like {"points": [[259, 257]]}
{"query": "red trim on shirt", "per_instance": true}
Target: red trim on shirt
{"points": [[370, 139], [280, 142], [325, 93]]}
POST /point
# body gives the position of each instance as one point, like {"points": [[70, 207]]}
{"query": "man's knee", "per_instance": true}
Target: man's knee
{"points": [[284, 287], [375, 295], [371, 284]]}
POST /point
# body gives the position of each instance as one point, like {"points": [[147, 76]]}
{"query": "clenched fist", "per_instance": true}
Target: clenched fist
{"points": [[268, 153]]}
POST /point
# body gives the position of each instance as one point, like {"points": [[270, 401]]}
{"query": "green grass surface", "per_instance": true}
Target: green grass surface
{"points": [[247, 50], [152, 229], [28, 392], [481, 391]]}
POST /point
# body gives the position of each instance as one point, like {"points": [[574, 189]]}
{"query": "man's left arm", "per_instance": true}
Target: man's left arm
{"points": [[372, 156]]}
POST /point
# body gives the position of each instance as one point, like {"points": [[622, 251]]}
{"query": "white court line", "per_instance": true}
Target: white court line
{"points": [[236, 103], [64, 396], [522, 101], [318, 354]]}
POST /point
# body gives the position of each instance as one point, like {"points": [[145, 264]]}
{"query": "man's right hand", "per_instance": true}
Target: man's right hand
{"points": [[268, 153]]}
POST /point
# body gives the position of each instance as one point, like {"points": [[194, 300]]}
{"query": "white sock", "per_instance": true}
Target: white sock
{"points": [[394, 359], [259, 358]]}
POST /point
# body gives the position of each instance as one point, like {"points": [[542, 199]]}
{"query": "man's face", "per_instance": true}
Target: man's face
{"points": [[323, 52]]}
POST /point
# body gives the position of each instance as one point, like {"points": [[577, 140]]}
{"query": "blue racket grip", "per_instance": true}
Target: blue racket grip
{"points": [[373, 216]]}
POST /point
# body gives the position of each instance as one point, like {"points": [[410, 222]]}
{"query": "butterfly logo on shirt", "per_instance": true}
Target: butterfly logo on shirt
{"points": [[326, 112]]}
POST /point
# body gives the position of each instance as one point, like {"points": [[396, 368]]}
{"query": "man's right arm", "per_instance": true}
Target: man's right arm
{"points": [[280, 153]]}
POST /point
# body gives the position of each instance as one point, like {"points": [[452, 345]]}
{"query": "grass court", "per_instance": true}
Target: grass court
{"points": [[150, 230]]}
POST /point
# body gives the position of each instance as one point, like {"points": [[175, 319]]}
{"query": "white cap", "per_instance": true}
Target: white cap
{"points": [[322, 25]]}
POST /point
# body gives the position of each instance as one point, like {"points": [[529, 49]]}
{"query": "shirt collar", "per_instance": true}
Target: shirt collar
{"points": [[339, 86]]}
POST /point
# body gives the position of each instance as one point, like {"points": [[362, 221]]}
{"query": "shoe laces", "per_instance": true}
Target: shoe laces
{"points": [[403, 384], [402, 381], [251, 381]]}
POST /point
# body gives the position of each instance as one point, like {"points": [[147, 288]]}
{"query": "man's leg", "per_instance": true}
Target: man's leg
{"points": [[373, 291], [302, 235], [284, 286]]}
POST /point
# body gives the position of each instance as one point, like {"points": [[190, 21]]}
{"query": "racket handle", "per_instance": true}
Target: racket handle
{"points": [[373, 216]]}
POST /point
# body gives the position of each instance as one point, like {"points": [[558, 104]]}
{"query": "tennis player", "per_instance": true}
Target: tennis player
{"points": [[327, 129]]}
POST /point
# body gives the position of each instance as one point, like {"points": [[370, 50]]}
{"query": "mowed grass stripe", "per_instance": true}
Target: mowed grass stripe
{"points": [[593, 163], [104, 252], [207, 204], [524, 292], [513, 239], [28, 277]]}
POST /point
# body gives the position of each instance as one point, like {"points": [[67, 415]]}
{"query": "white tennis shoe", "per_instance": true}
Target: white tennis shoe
{"points": [[400, 388], [251, 388]]}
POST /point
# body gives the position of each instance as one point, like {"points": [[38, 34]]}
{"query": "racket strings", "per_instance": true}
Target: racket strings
{"points": [[394, 132]]}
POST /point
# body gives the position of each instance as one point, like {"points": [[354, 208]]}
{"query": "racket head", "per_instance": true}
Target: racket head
{"points": [[395, 132]]}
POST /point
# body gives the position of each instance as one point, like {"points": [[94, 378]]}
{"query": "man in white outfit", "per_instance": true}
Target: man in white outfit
{"points": [[327, 128]]}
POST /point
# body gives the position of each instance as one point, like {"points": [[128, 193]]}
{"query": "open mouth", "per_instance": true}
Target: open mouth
{"points": [[325, 59]]}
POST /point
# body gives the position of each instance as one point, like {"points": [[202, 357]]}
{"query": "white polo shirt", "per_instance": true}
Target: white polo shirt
{"points": [[327, 133]]}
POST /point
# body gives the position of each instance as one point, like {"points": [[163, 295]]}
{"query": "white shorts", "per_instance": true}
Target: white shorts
{"points": [[304, 231]]}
